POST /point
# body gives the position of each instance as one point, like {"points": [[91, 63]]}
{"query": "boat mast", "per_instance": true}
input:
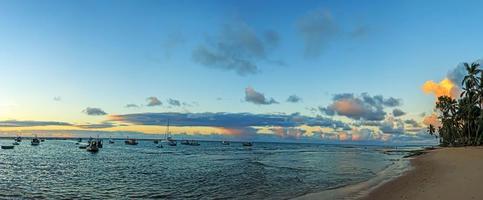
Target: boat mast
{"points": [[168, 135]]}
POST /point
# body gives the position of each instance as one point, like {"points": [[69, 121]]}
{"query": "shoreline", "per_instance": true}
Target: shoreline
{"points": [[443, 173], [362, 189]]}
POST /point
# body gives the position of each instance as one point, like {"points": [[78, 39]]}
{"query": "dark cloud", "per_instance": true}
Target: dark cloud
{"points": [[228, 120], [15, 123], [174, 102], [131, 105], [257, 98], [398, 112], [391, 102], [294, 99], [94, 111], [413, 123], [362, 107], [237, 48], [457, 74], [57, 98], [153, 101], [317, 29]]}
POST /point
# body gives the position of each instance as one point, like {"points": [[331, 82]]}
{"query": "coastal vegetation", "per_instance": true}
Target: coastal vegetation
{"points": [[462, 118]]}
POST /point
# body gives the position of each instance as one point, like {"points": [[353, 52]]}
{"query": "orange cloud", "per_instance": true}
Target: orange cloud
{"points": [[348, 106], [432, 119], [446, 87]]}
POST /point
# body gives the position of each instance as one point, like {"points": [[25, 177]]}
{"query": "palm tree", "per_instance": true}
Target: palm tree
{"points": [[431, 130], [471, 84], [462, 119]]}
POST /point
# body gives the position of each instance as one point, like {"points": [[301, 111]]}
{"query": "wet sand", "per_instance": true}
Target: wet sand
{"points": [[447, 173]]}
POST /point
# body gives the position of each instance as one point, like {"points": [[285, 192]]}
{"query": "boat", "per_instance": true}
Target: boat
{"points": [[42, 140], [35, 141], [156, 141], [247, 144], [225, 142], [15, 143], [130, 141], [111, 141], [83, 146], [159, 146], [93, 146], [18, 139], [99, 143], [79, 140], [169, 138], [172, 142], [7, 146]]}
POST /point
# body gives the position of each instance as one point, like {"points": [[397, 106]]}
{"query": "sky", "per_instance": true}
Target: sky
{"points": [[311, 71]]}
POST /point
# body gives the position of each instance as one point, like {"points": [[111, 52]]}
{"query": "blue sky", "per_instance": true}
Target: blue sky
{"points": [[107, 54]]}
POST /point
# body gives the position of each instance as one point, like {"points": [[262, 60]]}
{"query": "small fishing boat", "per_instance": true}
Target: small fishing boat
{"points": [[18, 139], [111, 141], [131, 141], [42, 140], [15, 143], [83, 146], [35, 141], [93, 146], [159, 146], [225, 142], [172, 142], [247, 144], [7, 146]]}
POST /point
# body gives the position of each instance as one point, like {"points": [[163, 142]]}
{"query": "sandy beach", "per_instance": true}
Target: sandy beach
{"points": [[447, 173]]}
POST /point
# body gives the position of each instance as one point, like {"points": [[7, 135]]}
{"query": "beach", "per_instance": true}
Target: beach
{"points": [[446, 173]]}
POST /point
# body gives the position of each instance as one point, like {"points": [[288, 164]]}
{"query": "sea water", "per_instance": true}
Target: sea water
{"points": [[58, 169]]}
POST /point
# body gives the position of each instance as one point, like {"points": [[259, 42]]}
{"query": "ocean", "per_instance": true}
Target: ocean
{"points": [[58, 169]]}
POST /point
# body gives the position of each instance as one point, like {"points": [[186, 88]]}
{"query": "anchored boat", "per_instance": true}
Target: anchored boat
{"points": [[93, 146], [131, 141], [35, 141], [7, 146], [247, 144]]}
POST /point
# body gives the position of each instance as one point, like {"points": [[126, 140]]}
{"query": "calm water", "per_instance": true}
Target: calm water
{"points": [[59, 169]]}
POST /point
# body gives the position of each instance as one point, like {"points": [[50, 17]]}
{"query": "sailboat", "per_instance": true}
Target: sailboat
{"points": [[169, 138]]}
